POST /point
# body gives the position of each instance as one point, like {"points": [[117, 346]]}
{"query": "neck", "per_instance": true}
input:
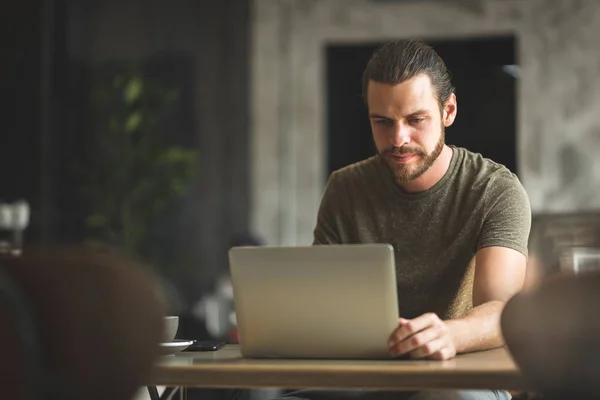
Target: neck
{"points": [[432, 176]]}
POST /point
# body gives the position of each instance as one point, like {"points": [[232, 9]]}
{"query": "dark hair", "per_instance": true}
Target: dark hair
{"points": [[399, 61]]}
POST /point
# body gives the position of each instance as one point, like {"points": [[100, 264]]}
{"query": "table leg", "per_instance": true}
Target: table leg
{"points": [[166, 395], [153, 392]]}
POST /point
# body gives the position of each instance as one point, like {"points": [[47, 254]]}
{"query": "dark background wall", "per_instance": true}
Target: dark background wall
{"points": [[21, 93], [54, 50]]}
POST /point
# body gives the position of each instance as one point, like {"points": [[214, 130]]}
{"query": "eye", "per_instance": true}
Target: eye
{"points": [[384, 122], [416, 121]]}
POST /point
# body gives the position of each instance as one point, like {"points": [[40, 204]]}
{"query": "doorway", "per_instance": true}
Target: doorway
{"points": [[484, 73]]}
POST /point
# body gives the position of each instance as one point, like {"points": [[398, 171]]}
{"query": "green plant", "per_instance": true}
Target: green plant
{"points": [[129, 173]]}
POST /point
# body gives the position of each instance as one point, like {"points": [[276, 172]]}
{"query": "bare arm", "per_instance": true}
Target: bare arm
{"points": [[499, 274], [500, 268]]}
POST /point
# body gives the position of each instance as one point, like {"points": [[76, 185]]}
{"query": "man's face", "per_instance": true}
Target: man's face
{"points": [[408, 125]]}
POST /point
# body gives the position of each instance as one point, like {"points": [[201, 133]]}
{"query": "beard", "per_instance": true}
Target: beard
{"points": [[407, 172]]}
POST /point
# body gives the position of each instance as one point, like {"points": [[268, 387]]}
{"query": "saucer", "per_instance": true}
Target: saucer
{"points": [[175, 346]]}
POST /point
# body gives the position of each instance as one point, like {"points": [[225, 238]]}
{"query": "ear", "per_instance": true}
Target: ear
{"points": [[450, 109]]}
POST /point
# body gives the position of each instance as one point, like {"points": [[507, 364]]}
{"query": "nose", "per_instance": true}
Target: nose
{"points": [[400, 135]]}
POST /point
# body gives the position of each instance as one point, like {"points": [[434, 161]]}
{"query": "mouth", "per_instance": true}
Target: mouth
{"points": [[401, 158]]}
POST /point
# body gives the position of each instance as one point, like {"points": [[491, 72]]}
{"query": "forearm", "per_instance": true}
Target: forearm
{"points": [[479, 329]]}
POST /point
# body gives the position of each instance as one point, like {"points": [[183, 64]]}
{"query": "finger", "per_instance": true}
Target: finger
{"points": [[413, 326], [429, 349], [445, 353], [401, 323], [415, 341]]}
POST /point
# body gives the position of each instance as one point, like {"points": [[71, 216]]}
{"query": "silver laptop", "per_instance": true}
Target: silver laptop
{"points": [[327, 301]]}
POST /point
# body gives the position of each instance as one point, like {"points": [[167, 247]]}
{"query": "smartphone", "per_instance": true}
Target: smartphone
{"points": [[206, 345]]}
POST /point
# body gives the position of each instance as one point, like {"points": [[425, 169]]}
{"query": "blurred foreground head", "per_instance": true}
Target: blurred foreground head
{"points": [[98, 320], [553, 334]]}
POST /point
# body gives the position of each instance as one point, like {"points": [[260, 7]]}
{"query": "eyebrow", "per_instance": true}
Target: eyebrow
{"points": [[413, 114], [374, 115]]}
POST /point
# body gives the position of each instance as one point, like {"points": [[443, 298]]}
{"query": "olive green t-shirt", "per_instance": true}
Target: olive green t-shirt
{"points": [[436, 233]]}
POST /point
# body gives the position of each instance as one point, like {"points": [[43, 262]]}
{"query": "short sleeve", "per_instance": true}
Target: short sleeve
{"points": [[508, 219], [326, 231]]}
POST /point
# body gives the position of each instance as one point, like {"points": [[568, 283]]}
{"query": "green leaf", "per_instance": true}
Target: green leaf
{"points": [[133, 122], [178, 187], [133, 90], [175, 155]]}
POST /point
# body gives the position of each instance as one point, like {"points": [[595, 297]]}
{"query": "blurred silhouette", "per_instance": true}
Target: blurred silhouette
{"points": [[553, 334], [207, 307], [77, 323], [217, 307], [14, 219], [213, 317]]}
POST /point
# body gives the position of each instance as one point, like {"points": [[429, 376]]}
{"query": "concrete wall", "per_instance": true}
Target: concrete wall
{"points": [[558, 94]]}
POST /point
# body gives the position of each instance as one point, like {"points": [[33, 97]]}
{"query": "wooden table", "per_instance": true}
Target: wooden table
{"points": [[227, 369]]}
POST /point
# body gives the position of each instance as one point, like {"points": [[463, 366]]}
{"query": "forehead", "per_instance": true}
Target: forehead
{"points": [[402, 98]]}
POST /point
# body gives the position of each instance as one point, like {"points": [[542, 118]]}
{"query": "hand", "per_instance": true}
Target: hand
{"points": [[426, 336]]}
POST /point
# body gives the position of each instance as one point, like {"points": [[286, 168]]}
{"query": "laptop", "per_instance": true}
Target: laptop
{"points": [[323, 301]]}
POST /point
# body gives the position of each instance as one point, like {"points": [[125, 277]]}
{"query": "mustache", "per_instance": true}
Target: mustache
{"points": [[394, 151]]}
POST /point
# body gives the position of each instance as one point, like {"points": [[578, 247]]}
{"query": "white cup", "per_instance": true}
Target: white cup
{"points": [[171, 326]]}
